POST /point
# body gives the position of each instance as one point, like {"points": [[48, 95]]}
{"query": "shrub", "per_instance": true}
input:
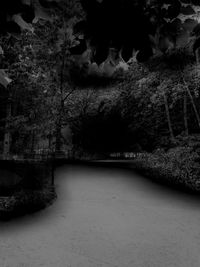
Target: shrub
{"points": [[178, 166], [26, 201]]}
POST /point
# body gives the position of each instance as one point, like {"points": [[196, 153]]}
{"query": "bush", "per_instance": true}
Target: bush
{"points": [[178, 166], [26, 201]]}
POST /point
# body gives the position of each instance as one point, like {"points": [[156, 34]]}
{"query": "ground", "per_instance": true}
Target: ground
{"points": [[106, 217]]}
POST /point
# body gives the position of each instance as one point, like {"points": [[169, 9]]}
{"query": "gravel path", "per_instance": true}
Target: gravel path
{"points": [[106, 218]]}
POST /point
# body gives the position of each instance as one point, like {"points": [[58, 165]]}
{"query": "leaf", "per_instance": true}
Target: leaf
{"points": [[23, 24], [165, 6], [189, 24], [41, 14], [1, 50], [4, 79], [183, 39]]}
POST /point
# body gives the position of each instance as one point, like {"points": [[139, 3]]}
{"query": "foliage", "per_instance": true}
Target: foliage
{"points": [[26, 201], [174, 22], [164, 26], [18, 15], [160, 101], [156, 102], [38, 64], [179, 167]]}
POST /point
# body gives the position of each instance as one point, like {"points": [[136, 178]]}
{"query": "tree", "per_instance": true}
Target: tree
{"points": [[156, 102], [38, 64]]}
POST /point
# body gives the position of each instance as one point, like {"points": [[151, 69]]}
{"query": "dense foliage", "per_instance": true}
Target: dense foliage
{"points": [[163, 26], [39, 82]]}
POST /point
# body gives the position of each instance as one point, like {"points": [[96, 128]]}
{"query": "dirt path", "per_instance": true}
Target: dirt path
{"points": [[106, 217]]}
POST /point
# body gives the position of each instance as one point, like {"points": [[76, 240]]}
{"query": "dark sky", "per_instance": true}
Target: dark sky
{"points": [[119, 24]]}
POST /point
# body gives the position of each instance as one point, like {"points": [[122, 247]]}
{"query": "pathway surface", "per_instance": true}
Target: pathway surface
{"points": [[106, 218]]}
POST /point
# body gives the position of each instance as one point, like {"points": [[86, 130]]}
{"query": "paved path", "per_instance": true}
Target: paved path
{"points": [[105, 218]]}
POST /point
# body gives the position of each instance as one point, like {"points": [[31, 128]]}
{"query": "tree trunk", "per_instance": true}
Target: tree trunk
{"points": [[50, 140], [33, 141], [58, 137], [7, 135], [168, 118], [52, 172], [185, 114], [197, 55], [61, 108], [192, 101]]}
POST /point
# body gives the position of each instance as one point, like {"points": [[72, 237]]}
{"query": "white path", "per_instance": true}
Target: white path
{"points": [[106, 217]]}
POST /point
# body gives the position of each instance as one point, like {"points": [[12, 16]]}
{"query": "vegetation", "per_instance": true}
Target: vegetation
{"points": [[26, 201], [85, 104], [178, 167], [33, 98], [38, 66], [155, 109]]}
